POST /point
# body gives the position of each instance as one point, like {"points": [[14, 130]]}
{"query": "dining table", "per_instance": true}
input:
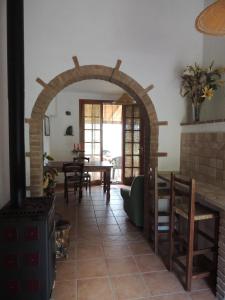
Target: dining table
{"points": [[91, 166]]}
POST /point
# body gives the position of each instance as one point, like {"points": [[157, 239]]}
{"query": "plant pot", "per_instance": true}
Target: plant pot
{"points": [[196, 109]]}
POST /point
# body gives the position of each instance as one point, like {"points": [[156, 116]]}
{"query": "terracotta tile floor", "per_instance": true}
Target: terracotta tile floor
{"points": [[110, 259]]}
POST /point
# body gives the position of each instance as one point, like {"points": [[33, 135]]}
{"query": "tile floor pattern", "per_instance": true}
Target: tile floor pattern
{"points": [[110, 259]]}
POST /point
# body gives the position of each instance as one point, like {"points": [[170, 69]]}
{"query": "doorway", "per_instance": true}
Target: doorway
{"points": [[113, 133], [133, 139], [101, 134], [112, 139]]}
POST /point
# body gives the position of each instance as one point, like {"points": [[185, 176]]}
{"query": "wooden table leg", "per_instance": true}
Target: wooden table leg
{"points": [[107, 182], [104, 182]]}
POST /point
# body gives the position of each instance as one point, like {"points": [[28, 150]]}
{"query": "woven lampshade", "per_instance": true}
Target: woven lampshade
{"points": [[125, 99], [212, 19]]}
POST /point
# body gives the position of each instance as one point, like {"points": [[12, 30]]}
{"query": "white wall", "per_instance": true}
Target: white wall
{"points": [[4, 148], [155, 40], [61, 145], [214, 50]]}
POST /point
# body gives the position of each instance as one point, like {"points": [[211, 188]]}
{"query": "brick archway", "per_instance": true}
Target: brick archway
{"points": [[79, 73]]}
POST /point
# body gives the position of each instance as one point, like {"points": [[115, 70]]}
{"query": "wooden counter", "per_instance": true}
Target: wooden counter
{"points": [[212, 195]]}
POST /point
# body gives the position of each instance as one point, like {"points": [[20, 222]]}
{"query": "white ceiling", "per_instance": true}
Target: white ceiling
{"points": [[94, 86]]}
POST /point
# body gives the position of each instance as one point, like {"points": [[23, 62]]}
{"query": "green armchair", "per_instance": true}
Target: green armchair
{"points": [[133, 200]]}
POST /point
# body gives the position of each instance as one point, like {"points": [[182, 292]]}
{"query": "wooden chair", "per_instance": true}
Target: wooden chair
{"points": [[73, 177], [86, 175], [191, 259], [159, 213]]}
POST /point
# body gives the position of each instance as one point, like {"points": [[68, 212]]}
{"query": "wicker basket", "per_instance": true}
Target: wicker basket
{"points": [[62, 238]]}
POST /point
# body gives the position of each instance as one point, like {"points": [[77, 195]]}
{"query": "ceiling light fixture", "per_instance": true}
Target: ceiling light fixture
{"points": [[212, 19]]}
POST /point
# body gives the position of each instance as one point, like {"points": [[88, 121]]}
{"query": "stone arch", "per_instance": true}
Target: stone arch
{"points": [[79, 73]]}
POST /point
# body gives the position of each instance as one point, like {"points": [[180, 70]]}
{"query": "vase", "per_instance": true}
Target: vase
{"points": [[196, 109]]}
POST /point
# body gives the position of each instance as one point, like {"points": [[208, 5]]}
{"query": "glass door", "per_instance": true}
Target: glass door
{"points": [[112, 139], [91, 132], [132, 143], [101, 134]]}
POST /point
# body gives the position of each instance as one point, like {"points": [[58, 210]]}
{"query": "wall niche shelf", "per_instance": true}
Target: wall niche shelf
{"points": [[203, 122]]}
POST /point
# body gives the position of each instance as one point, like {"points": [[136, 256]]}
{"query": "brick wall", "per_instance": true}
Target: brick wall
{"points": [[203, 156]]}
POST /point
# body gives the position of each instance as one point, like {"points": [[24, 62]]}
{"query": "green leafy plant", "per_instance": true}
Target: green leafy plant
{"points": [[49, 176], [199, 84], [47, 157]]}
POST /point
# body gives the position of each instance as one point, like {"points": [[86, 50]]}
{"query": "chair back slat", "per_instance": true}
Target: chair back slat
{"points": [[185, 249], [181, 191], [73, 168], [184, 190], [182, 180], [81, 159]]}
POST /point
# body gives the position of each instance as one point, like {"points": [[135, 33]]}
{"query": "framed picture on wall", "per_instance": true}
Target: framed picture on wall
{"points": [[47, 126]]}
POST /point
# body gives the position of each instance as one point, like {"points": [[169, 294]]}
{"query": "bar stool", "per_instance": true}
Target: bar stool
{"points": [[191, 260], [159, 212]]}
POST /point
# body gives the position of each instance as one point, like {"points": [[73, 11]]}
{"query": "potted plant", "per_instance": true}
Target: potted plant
{"points": [[49, 175], [199, 84]]}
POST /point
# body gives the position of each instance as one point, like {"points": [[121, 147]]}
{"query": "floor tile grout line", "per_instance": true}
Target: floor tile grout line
{"points": [[114, 294], [119, 275], [113, 216], [142, 277], [104, 257], [114, 276], [103, 242], [76, 290], [110, 277], [113, 289], [169, 294]]}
